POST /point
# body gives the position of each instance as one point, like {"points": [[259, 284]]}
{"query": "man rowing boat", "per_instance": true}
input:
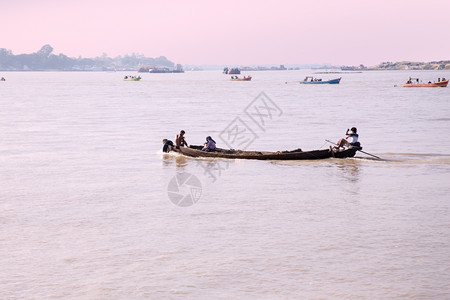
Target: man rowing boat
{"points": [[351, 139], [180, 140]]}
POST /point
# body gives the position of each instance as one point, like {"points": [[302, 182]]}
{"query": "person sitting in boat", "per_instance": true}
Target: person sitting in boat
{"points": [[210, 145], [125, 77], [351, 139], [443, 79], [167, 143], [180, 140]]}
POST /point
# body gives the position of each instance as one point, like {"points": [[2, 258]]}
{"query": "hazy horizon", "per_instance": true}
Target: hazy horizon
{"points": [[233, 33]]}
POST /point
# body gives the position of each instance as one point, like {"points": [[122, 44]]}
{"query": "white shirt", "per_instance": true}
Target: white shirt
{"points": [[352, 138]]}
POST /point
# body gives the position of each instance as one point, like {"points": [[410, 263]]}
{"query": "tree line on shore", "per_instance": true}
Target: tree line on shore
{"points": [[44, 59], [409, 65]]}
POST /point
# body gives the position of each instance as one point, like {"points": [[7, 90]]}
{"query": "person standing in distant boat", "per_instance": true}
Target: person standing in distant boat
{"points": [[180, 140], [351, 139]]}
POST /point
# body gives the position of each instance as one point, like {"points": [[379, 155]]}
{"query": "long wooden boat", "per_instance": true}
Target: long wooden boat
{"points": [[132, 78], [319, 81], [298, 154], [242, 79], [430, 84]]}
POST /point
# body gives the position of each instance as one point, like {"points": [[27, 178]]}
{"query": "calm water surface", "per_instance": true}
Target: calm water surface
{"points": [[85, 211]]}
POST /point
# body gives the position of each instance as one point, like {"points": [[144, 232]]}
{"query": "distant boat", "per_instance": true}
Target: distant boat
{"points": [[320, 81], [414, 82], [132, 78], [241, 79]]}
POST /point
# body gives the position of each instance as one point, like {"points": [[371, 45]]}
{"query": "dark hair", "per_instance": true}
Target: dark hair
{"points": [[353, 129], [182, 131]]}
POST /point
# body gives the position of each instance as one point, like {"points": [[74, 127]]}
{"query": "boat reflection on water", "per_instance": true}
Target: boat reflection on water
{"points": [[180, 161], [349, 170]]}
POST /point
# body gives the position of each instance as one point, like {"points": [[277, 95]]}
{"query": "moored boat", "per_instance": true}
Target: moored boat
{"points": [[414, 82], [132, 78], [298, 154], [235, 78], [312, 80]]}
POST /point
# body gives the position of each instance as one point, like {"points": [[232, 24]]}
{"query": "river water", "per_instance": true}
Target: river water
{"points": [[90, 207]]}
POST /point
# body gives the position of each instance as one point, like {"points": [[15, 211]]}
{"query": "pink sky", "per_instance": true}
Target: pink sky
{"points": [[342, 32]]}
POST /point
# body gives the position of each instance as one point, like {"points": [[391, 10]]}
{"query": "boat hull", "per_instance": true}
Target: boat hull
{"points": [[241, 79], [195, 151], [434, 84], [332, 81]]}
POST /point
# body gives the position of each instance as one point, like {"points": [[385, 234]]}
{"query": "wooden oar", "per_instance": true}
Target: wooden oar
{"points": [[357, 150]]}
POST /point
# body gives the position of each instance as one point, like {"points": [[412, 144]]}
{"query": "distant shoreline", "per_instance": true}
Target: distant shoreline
{"points": [[405, 66], [210, 70], [45, 61]]}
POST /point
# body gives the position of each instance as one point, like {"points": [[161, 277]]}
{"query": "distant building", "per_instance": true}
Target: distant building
{"points": [[178, 69], [348, 68]]}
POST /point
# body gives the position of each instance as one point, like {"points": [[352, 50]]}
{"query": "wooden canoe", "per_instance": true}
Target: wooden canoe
{"points": [[433, 84], [298, 154], [331, 81], [242, 79]]}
